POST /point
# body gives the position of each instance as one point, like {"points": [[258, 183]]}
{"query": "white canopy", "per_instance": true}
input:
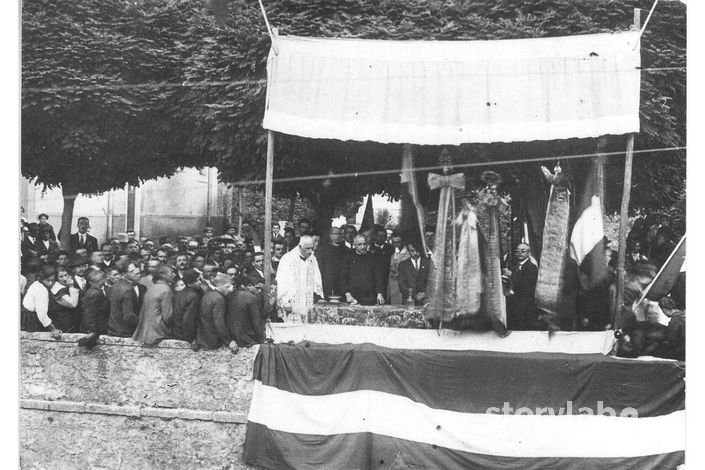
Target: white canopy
{"points": [[453, 92]]}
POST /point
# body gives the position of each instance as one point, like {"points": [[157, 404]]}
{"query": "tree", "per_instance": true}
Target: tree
{"points": [[81, 136], [88, 140], [231, 127]]}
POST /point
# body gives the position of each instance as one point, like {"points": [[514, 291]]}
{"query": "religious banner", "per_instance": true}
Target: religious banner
{"points": [[488, 206], [469, 276], [441, 292], [554, 252]]}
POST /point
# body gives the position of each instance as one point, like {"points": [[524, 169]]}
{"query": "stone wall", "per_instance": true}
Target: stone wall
{"points": [[125, 406]]}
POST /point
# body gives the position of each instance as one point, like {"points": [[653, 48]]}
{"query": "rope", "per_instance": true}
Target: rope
{"points": [[272, 35], [455, 165], [643, 28]]}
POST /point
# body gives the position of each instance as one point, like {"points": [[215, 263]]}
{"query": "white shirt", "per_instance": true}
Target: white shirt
{"points": [[80, 281], [70, 300], [37, 300]]}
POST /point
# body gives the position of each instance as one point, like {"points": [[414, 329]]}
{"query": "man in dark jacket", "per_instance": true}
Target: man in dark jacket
{"points": [[125, 300], [186, 305], [330, 258], [212, 331], [245, 319], [521, 306], [82, 239], [382, 251], [95, 306], [361, 276], [413, 275]]}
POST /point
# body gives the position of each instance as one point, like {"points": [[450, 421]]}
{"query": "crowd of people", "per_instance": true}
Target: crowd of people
{"points": [[208, 290]]}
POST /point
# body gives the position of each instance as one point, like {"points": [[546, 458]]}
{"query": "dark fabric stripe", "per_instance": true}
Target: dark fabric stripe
{"points": [[473, 381], [282, 450]]}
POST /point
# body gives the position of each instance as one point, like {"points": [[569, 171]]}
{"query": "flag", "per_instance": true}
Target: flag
{"points": [[368, 218], [365, 406], [412, 217], [587, 248], [668, 274]]}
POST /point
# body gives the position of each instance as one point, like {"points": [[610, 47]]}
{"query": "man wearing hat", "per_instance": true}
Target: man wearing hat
{"points": [[212, 331], [45, 225], [82, 239], [79, 266], [207, 234], [28, 246]]}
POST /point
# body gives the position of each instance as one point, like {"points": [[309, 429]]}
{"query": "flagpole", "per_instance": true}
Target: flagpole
{"points": [[268, 213], [623, 221]]}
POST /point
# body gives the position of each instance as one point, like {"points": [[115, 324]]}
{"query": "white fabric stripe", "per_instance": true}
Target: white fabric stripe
{"points": [[488, 434], [347, 128], [587, 232], [570, 342]]}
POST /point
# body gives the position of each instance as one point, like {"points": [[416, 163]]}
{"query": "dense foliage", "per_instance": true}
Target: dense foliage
{"points": [[89, 140]]}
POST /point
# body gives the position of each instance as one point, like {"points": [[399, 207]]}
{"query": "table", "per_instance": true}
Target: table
{"points": [[393, 316]]}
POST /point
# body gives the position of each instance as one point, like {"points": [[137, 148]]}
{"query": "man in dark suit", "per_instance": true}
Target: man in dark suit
{"points": [[30, 241], [45, 225], [413, 275], [361, 276], [45, 245], [521, 310], [95, 306], [212, 331], [245, 318], [125, 300], [382, 251], [257, 268], [186, 305], [82, 239], [330, 258]]}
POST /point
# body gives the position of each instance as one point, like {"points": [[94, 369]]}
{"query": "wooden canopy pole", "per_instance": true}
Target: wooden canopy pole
{"points": [[623, 220], [624, 214], [268, 213]]}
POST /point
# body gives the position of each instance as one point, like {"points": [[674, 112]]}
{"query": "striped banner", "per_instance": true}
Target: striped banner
{"points": [[361, 406]]}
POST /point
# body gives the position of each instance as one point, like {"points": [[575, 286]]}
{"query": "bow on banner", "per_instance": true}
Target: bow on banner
{"points": [[456, 181]]}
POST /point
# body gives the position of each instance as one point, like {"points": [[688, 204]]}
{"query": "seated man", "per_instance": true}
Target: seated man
{"points": [[362, 279], [245, 318], [212, 331], [413, 275]]}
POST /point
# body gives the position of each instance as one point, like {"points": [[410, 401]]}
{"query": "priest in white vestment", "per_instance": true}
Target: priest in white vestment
{"points": [[298, 279]]}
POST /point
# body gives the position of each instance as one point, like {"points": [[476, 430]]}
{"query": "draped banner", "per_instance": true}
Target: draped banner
{"points": [[441, 291], [362, 406], [453, 92], [550, 285], [412, 214]]}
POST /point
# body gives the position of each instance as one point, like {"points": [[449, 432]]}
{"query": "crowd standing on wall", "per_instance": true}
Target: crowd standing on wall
{"points": [[208, 290]]}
